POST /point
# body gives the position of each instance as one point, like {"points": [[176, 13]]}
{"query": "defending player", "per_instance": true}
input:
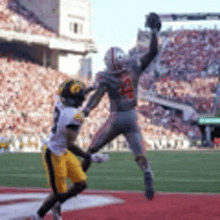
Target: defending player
{"points": [[59, 153], [120, 81]]}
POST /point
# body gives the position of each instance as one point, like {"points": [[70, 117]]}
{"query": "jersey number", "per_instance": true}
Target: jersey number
{"points": [[127, 88], [55, 119]]}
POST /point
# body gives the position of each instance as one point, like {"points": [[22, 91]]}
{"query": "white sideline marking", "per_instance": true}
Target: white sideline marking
{"points": [[8, 212], [24, 188]]}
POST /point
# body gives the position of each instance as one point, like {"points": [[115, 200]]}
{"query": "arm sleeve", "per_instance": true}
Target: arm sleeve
{"points": [[148, 57], [94, 100], [71, 134], [77, 151]]}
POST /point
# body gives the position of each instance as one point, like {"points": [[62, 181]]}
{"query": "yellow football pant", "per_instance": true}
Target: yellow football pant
{"points": [[59, 168]]}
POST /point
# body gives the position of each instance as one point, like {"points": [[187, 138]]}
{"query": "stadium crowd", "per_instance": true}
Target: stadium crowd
{"points": [[14, 17], [28, 91], [183, 72], [198, 93], [28, 95], [191, 50]]}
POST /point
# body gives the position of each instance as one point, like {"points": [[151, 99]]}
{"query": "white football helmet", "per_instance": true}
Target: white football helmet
{"points": [[115, 59]]}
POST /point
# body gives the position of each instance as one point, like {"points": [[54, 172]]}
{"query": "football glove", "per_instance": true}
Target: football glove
{"points": [[99, 158], [153, 22], [79, 117], [86, 112]]}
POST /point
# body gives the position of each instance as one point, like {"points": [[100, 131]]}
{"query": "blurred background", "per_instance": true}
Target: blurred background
{"points": [[43, 43]]}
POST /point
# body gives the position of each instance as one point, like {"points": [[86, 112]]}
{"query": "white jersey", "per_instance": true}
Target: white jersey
{"points": [[3, 139], [63, 116]]}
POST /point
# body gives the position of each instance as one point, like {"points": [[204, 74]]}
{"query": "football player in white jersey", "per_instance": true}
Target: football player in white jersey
{"points": [[120, 81], [60, 152]]}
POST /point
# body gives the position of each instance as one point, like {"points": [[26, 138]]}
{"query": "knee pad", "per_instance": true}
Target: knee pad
{"points": [[141, 160]]}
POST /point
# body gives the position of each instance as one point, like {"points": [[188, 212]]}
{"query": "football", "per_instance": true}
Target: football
{"points": [[153, 21]]}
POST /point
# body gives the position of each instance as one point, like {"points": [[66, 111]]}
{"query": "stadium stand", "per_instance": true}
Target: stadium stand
{"points": [[187, 69], [15, 17], [28, 90], [28, 95], [186, 59], [198, 92]]}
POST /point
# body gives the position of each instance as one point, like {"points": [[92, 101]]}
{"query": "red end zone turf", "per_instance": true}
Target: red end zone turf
{"points": [[165, 206]]}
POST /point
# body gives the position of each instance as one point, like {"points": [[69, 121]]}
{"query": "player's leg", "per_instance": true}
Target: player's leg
{"points": [[105, 134], [56, 171], [143, 163], [135, 140], [48, 203], [73, 190], [76, 175]]}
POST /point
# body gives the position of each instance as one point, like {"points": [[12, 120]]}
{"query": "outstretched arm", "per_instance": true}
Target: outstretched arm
{"points": [[71, 134], [94, 100], [148, 57], [154, 23]]}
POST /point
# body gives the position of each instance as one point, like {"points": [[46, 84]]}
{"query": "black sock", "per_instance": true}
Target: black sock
{"points": [[47, 205], [73, 191]]}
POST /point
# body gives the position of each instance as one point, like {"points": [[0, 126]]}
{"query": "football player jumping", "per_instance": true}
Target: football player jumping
{"points": [[120, 81], [59, 151]]}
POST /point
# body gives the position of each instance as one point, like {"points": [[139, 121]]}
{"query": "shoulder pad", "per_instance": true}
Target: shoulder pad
{"points": [[100, 76], [99, 79]]}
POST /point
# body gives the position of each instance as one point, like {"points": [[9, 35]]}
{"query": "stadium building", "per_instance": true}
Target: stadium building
{"points": [[52, 33]]}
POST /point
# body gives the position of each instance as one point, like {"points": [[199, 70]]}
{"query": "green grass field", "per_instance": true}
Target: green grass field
{"points": [[174, 172]]}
